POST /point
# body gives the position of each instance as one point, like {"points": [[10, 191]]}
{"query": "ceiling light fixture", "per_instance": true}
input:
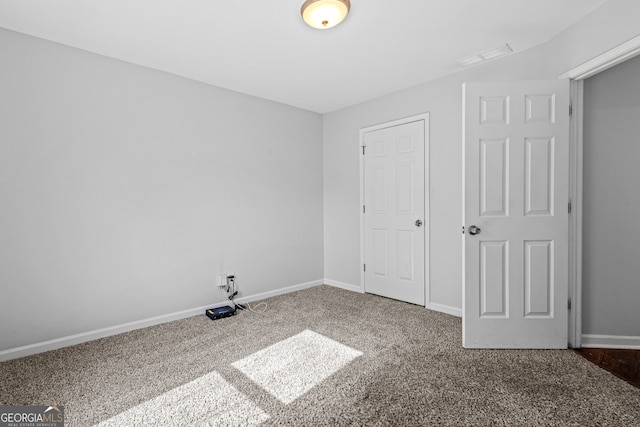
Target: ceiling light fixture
{"points": [[485, 55], [324, 14]]}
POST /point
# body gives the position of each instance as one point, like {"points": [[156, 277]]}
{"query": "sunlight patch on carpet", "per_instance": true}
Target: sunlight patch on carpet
{"points": [[291, 367], [207, 401]]}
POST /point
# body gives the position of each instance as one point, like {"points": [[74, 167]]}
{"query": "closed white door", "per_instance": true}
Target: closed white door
{"points": [[394, 212], [516, 154]]}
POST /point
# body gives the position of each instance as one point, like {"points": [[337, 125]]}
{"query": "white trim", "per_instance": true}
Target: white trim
{"points": [[602, 62], [454, 311], [463, 204], [427, 183], [442, 308], [575, 218], [361, 166], [608, 59], [54, 344], [397, 122], [610, 341], [345, 286], [280, 291]]}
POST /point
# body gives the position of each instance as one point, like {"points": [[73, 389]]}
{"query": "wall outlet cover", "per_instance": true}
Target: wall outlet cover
{"points": [[222, 280]]}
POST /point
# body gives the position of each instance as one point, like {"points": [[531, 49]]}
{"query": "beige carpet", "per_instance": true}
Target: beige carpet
{"points": [[322, 356]]}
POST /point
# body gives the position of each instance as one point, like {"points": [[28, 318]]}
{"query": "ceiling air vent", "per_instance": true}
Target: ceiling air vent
{"points": [[485, 55]]}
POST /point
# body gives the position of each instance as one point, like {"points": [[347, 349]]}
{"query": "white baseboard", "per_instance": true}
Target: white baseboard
{"points": [[454, 311], [54, 344], [280, 291], [610, 341], [30, 349], [346, 286], [432, 306]]}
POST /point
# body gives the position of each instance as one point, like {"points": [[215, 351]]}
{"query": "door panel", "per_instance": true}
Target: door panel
{"points": [[494, 177], [394, 199], [494, 265], [538, 279], [516, 166], [539, 178], [406, 255]]}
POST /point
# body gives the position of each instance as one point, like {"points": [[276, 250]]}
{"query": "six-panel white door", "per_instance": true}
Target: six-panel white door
{"points": [[394, 220], [516, 154]]}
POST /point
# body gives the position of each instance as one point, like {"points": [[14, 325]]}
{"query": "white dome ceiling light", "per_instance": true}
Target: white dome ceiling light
{"points": [[324, 14]]}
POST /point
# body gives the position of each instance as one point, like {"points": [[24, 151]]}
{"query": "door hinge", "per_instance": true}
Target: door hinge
{"points": [[363, 147], [463, 229], [364, 267], [569, 304], [570, 109], [569, 205], [364, 210]]}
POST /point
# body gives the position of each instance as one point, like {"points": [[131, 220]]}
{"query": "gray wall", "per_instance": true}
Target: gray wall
{"points": [[124, 191], [611, 227], [613, 23], [443, 100]]}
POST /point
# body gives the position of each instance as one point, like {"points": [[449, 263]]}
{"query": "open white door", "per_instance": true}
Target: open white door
{"points": [[394, 220], [516, 154]]}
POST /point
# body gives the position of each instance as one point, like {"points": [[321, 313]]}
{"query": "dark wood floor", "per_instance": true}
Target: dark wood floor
{"points": [[621, 363]]}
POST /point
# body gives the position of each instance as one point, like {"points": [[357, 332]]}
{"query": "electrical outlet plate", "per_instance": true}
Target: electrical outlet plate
{"points": [[231, 282], [222, 280]]}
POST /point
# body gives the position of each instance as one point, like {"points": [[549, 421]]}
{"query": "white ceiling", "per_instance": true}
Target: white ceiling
{"points": [[262, 47]]}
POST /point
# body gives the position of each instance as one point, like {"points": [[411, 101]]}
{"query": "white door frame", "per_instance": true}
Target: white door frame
{"points": [[427, 216], [606, 60]]}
